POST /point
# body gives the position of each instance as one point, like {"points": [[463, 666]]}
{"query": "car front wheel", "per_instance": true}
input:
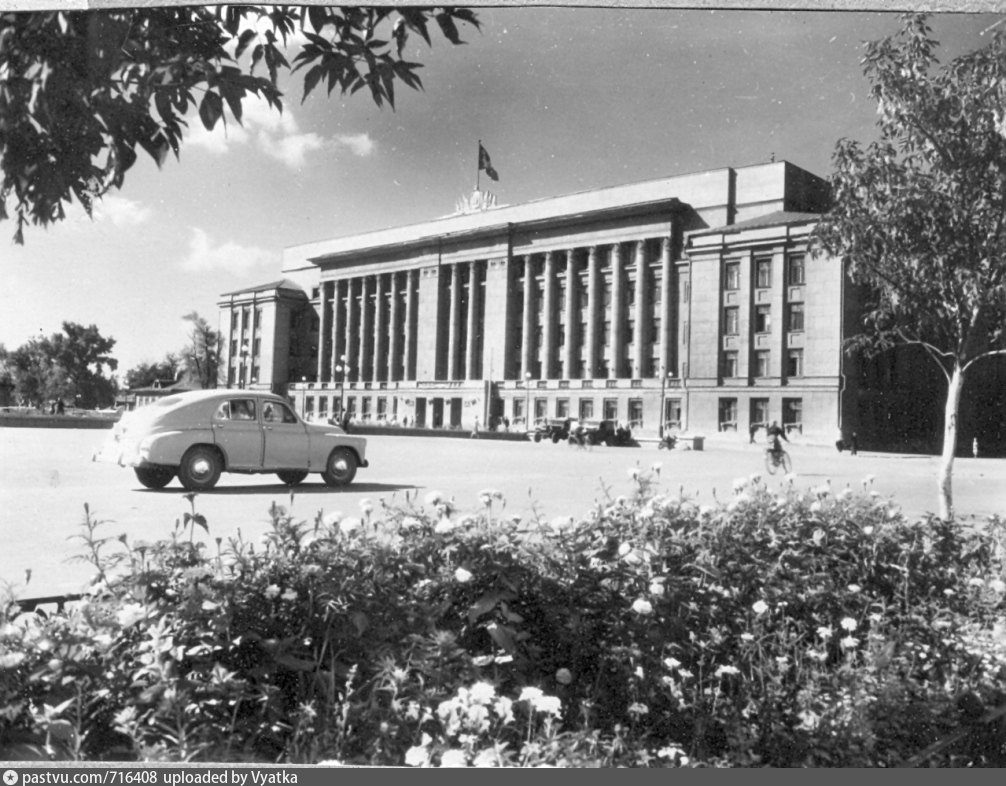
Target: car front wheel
{"points": [[291, 476], [154, 477], [200, 468], [340, 469]]}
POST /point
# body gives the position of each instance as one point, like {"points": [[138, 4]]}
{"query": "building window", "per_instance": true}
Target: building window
{"points": [[794, 363], [728, 414], [365, 408], [323, 407], [763, 319], [234, 348], [611, 409], [309, 408], [762, 359], [795, 321], [562, 408], [586, 408], [230, 377], [382, 407], [672, 413], [759, 412], [731, 321], [518, 410], [792, 414], [635, 413], [732, 276], [256, 347], [258, 318], [730, 363], [797, 273], [763, 273], [540, 409]]}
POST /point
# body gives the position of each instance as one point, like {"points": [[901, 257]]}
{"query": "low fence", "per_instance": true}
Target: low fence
{"points": [[21, 420]]}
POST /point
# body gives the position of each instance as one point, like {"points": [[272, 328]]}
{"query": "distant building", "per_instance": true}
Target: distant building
{"points": [[140, 397], [689, 301]]}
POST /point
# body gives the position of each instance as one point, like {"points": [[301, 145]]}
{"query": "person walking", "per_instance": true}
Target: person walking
{"points": [[752, 430]]}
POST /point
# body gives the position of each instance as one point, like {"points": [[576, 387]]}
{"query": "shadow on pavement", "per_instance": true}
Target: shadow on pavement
{"points": [[281, 488]]}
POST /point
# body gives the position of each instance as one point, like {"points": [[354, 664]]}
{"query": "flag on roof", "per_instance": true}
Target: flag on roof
{"points": [[486, 164]]}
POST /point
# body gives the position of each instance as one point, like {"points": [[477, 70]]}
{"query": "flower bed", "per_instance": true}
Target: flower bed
{"points": [[781, 628]]}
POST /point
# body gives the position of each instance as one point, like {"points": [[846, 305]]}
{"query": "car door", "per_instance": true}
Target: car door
{"points": [[237, 430], [286, 440]]}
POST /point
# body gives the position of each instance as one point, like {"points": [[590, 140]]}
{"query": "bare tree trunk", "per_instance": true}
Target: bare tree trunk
{"points": [[946, 472]]}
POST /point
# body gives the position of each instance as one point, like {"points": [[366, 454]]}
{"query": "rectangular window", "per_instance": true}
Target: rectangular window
{"points": [[730, 363], [309, 408], [794, 363], [258, 318], [540, 409], [586, 408], [762, 359], [635, 413], [323, 407], [728, 414], [795, 321], [382, 407], [796, 275], [562, 407], [763, 319], [672, 413], [611, 409], [792, 414], [234, 348], [731, 321], [518, 410], [732, 275], [763, 273], [256, 347], [365, 408], [759, 412]]}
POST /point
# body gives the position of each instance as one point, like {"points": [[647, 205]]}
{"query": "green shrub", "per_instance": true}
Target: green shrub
{"points": [[779, 628]]}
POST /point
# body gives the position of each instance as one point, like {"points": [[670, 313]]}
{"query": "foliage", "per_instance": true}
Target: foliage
{"points": [[81, 90], [918, 216], [144, 375], [202, 356], [779, 628], [71, 365]]}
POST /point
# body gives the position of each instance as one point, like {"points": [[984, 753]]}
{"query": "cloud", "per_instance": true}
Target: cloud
{"points": [[121, 212], [359, 144], [229, 256]]}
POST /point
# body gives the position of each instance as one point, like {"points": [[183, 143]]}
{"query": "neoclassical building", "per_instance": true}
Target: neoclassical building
{"points": [[689, 300]]}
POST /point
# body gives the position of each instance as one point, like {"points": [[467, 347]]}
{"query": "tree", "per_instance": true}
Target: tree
{"points": [[919, 216], [201, 358], [79, 91], [68, 365], [145, 375]]}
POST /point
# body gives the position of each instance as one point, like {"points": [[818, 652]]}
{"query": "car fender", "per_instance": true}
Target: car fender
{"points": [[324, 439], [168, 447]]}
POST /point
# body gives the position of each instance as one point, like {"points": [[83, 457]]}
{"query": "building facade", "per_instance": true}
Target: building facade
{"points": [[689, 301]]}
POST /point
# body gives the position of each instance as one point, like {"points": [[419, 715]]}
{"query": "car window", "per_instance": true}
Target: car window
{"points": [[236, 409], [273, 412]]}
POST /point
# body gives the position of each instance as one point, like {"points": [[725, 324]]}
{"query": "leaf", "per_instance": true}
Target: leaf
{"points": [[210, 110], [482, 606]]}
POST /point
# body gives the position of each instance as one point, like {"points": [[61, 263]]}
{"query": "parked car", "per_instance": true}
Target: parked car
{"points": [[607, 432], [554, 429], [200, 434]]}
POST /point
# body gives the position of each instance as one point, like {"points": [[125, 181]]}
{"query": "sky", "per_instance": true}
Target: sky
{"points": [[564, 100]]}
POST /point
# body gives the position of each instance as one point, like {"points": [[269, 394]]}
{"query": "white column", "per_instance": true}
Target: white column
{"points": [[452, 328], [548, 349], [615, 352], [394, 344], [572, 324], [471, 337], [642, 323], [528, 335], [590, 340]]}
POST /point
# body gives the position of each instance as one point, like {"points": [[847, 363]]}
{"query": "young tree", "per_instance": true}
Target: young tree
{"points": [[201, 358], [80, 90], [919, 216]]}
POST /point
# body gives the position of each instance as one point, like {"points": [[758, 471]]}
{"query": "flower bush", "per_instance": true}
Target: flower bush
{"points": [[778, 628]]}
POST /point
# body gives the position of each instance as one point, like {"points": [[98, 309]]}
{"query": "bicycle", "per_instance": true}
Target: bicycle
{"points": [[777, 458]]}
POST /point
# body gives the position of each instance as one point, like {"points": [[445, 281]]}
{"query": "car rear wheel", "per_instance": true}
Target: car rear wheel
{"points": [[154, 477], [200, 468], [291, 476], [340, 469]]}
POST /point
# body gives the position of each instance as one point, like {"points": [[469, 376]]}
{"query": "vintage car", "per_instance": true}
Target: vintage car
{"points": [[200, 434], [554, 429], [607, 432]]}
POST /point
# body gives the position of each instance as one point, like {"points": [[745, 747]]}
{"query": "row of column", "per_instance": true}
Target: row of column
{"points": [[371, 322], [465, 321], [594, 347]]}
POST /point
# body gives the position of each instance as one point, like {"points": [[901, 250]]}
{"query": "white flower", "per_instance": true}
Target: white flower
{"points": [[747, 637], [815, 507], [849, 624], [672, 663], [638, 708], [642, 606], [504, 708], [443, 526], [462, 576], [949, 592], [453, 758], [790, 478], [272, 591], [998, 585], [349, 525], [869, 479], [633, 473], [759, 607], [550, 705], [854, 588], [411, 522], [657, 587], [756, 477], [332, 519], [486, 758], [289, 595], [366, 506], [848, 642], [482, 692], [559, 523], [130, 614], [705, 510], [740, 484], [532, 695], [434, 498], [723, 671], [563, 676], [656, 466], [825, 632], [867, 530]]}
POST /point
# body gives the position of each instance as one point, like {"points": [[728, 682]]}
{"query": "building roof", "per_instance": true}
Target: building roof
{"points": [[283, 283], [775, 218]]}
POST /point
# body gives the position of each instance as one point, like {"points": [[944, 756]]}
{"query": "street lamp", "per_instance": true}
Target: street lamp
{"points": [[663, 394], [241, 367], [527, 401], [342, 369], [303, 397]]}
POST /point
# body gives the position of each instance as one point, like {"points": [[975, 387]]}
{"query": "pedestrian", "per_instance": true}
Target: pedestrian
{"points": [[475, 429], [752, 430], [60, 410], [854, 444], [506, 423], [974, 447]]}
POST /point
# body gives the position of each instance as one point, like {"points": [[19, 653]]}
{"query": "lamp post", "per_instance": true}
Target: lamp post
{"points": [[241, 366], [303, 397], [527, 401], [342, 368], [663, 393]]}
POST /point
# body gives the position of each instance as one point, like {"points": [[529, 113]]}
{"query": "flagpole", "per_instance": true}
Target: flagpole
{"points": [[478, 166]]}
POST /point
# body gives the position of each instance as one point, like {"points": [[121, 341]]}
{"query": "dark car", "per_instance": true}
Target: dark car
{"points": [[554, 429], [607, 432]]}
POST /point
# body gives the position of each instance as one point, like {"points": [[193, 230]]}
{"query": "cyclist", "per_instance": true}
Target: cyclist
{"points": [[773, 432]]}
